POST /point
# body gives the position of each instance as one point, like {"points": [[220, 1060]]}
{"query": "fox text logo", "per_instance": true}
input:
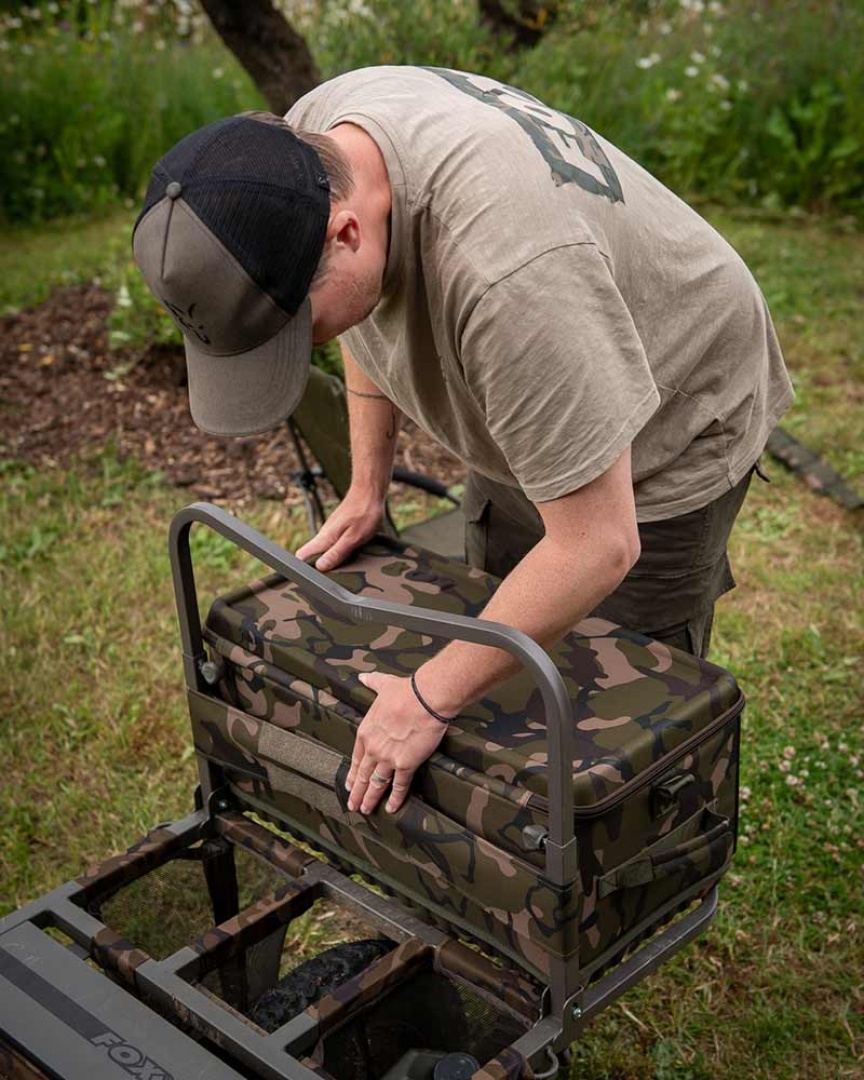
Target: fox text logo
{"points": [[129, 1057]]}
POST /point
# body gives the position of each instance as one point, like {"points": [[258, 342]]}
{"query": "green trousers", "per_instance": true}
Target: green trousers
{"points": [[670, 592]]}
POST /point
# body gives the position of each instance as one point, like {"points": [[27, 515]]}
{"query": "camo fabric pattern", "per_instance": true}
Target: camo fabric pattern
{"points": [[274, 850], [115, 953], [646, 718], [505, 984], [150, 851], [634, 700], [508, 1065], [253, 923], [369, 985]]}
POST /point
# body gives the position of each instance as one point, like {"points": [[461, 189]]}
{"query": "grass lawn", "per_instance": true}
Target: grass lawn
{"points": [[95, 742]]}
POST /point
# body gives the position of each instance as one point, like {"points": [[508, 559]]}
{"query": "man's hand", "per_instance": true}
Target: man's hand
{"points": [[354, 521], [395, 736]]}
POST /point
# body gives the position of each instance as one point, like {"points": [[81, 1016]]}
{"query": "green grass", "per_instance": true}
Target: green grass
{"points": [[96, 748], [35, 261]]}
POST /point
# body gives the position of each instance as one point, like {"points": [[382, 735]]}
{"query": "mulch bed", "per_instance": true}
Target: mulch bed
{"points": [[66, 397]]}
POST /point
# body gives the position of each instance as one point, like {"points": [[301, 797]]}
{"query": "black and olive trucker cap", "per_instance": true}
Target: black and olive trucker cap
{"points": [[229, 238]]}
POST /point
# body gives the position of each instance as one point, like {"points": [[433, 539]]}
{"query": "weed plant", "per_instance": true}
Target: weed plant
{"points": [[86, 117]]}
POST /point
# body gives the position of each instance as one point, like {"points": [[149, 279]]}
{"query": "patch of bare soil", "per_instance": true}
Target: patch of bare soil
{"points": [[65, 396]]}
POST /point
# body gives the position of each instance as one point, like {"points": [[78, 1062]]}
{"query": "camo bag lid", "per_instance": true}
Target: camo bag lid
{"points": [[635, 701]]}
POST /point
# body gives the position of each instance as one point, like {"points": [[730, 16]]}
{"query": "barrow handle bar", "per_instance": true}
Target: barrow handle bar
{"points": [[560, 845]]}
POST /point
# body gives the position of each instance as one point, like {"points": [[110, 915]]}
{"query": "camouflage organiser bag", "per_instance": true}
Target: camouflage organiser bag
{"points": [[655, 772]]}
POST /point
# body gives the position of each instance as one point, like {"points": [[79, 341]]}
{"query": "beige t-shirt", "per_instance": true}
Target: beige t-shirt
{"points": [[547, 302]]}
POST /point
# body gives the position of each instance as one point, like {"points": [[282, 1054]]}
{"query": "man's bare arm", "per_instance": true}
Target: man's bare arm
{"points": [[591, 542], [374, 423]]}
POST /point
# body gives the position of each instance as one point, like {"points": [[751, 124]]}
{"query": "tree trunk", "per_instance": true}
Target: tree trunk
{"points": [[525, 20], [275, 55]]}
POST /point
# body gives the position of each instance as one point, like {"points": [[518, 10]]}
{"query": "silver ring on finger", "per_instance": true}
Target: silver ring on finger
{"points": [[378, 779]]}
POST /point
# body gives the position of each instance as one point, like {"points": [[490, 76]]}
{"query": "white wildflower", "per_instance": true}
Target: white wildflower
{"points": [[672, 94], [788, 752], [218, 72], [697, 57], [691, 72], [646, 62], [726, 105], [720, 81], [793, 781]]}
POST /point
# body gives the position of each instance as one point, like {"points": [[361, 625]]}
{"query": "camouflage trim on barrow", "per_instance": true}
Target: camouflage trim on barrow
{"points": [[634, 700], [115, 953], [261, 842], [150, 851], [369, 985], [508, 1065], [253, 923], [505, 984]]}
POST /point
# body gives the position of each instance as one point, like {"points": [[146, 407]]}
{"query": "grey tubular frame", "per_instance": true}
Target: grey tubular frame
{"points": [[560, 847]]}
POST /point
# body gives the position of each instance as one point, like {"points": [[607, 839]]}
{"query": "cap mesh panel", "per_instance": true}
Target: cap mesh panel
{"points": [[262, 193]]}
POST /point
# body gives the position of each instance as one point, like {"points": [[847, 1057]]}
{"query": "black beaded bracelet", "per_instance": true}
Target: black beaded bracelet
{"points": [[441, 719]]}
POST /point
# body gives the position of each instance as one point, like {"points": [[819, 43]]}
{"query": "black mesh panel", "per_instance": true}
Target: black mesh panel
{"points": [[262, 192]]}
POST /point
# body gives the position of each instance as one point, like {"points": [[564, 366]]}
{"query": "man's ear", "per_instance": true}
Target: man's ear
{"points": [[344, 229]]}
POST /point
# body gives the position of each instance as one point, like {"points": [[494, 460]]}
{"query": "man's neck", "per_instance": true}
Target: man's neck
{"points": [[372, 194]]}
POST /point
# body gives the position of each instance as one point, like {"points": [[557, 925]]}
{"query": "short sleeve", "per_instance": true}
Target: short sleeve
{"points": [[553, 360]]}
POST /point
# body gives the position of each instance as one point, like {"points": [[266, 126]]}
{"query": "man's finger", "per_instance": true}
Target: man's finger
{"points": [[400, 785], [318, 544], [357, 756], [379, 782], [373, 680], [361, 782]]}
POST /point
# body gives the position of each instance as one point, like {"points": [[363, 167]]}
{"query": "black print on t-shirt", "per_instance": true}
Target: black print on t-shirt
{"points": [[561, 139]]}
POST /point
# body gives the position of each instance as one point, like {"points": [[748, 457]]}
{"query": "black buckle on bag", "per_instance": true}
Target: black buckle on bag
{"points": [[664, 795]]}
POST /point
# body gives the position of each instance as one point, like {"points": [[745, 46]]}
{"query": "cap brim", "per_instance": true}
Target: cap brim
{"points": [[247, 393]]}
